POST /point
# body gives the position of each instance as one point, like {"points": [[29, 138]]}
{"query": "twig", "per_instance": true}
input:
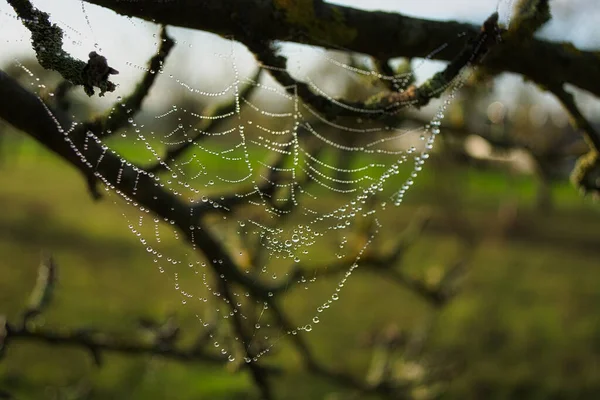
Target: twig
{"points": [[579, 121], [586, 173], [43, 291], [163, 343], [118, 116], [384, 68], [258, 373], [97, 342], [208, 124]]}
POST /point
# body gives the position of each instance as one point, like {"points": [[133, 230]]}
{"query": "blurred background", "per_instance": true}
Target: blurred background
{"points": [[495, 293]]}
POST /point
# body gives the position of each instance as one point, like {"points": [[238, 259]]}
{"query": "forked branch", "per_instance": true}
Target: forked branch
{"points": [[388, 102], [383, 35]]}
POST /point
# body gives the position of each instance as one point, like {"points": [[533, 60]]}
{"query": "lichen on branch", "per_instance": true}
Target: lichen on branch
{"points": [[47, 42], [307, 15], [586, 174], [530, 16]]}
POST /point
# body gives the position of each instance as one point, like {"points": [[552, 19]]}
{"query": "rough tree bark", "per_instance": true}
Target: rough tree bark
{"points": [[380, 34]]}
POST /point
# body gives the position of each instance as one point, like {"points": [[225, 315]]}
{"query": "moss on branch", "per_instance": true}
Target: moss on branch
{"points": [[308, 16], [530, 16], [586, 174]]}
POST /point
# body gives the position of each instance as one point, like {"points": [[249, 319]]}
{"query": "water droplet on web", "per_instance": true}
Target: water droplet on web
{"points": [[331, 199]]}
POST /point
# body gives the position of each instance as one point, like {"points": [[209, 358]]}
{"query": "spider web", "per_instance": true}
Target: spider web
{"points": [[279, 184]]}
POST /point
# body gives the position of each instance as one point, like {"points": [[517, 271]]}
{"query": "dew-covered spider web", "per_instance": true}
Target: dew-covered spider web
{"points": [[286, 192]]}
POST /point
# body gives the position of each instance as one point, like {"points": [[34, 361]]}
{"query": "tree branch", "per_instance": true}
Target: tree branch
{"points": [[387, 102], [579, 120], [118, 116], [586, 174], [47, 41], [98, 342], [379, 34], [26, 112]]}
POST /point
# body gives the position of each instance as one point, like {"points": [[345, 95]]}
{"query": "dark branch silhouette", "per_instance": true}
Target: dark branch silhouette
{"points": [[380, 34]]}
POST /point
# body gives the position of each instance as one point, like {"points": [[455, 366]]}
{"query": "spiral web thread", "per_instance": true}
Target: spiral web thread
{"points": [[313, 199]]}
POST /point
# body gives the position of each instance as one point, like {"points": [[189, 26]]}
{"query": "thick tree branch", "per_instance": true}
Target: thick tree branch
{"points": [[26, 112], [380, 34]]}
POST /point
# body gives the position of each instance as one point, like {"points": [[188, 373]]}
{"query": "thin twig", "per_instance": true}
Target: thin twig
{"points": [[207, 125], [118, 116]]}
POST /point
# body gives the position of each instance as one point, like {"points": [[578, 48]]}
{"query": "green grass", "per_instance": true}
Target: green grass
{"points": [[525, 324]]}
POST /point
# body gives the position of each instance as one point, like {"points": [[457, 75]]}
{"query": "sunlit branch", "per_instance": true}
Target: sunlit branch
{"points": [[43, 292], [586, 174]]}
